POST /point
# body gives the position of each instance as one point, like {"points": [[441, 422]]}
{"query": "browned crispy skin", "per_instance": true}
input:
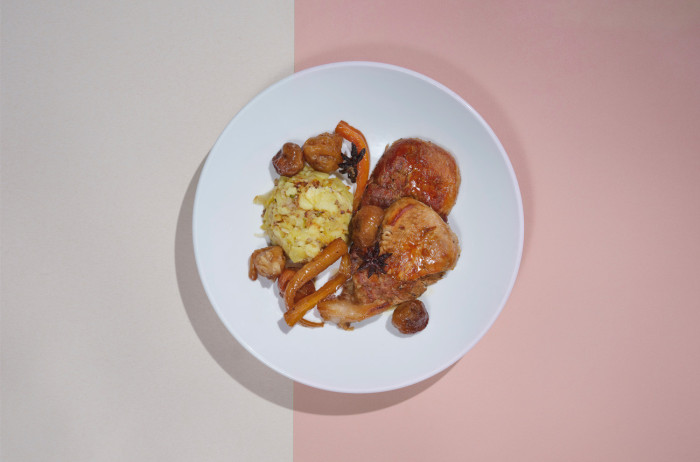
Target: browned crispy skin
{"points": [[343, 310], [419, 241], [411, 167], [422, 248], [383, 287], [417, 183]]}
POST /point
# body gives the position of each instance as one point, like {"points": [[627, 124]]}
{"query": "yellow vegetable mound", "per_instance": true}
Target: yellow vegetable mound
{"points": [[304, 213]]}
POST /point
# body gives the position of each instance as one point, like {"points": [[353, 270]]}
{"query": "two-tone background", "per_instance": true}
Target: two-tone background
{"points": [[111, 351]]}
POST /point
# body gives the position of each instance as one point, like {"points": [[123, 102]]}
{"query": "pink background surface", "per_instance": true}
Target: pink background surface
{"points": [[595, 356]]}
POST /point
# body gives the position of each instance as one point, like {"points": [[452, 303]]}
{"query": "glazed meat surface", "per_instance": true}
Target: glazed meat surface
{"points": [[418, 239], [414, 168], [420, 248], [415, 248]]}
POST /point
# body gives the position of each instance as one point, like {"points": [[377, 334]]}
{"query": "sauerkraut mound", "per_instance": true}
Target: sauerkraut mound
{"points": [[306, 212]]}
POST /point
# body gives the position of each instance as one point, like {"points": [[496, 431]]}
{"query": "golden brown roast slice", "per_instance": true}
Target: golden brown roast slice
{"points": [[414, 249], [415, 168], [419, 241]]}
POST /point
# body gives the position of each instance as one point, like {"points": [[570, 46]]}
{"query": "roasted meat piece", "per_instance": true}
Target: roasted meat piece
{"points": [[420, 248], [343, 310], [419, 241], [415, 248], [411, 167]]}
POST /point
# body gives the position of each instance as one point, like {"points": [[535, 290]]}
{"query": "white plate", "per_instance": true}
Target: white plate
{"points": [[386, 103]]}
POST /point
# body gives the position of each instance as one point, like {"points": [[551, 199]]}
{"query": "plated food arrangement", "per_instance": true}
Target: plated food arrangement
{"points": [[392, 106], [389, 237]]}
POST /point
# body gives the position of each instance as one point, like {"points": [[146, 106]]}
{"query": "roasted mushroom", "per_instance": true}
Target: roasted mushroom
{"points": [[289, 160], [267, 262], [323, 152], [410, 317], [365, 224]]}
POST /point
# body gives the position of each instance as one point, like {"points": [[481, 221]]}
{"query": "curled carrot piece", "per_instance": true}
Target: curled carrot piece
{"points": [[320, 262], [302, 305], [300, 308], [307, 323], [356, 137], [306, 289], [284, 278]]}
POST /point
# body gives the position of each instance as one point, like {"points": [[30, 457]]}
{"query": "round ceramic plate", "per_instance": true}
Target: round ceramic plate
{"points": [[386, 103]]}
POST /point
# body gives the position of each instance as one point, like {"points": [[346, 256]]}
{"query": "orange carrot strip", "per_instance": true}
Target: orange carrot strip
{"points": [[320, 262], [307, 323], [293, 315], [356, 137]]}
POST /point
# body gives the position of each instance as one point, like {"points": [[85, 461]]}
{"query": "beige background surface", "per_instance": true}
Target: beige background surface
{"points": [[110, 350]]}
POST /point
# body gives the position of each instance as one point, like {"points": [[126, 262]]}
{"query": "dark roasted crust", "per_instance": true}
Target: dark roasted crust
{"points": [[419, 241], [367, 289], [418, 169], [416, 184]]}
